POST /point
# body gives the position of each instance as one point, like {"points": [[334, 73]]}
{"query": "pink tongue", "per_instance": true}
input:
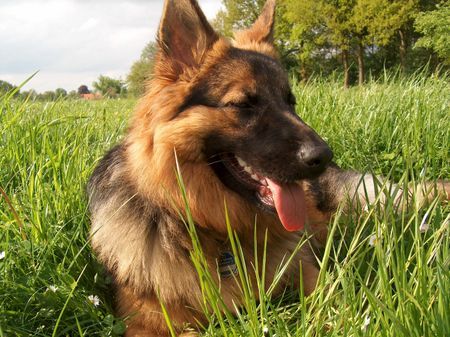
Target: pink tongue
{"points": [[289, 201]]}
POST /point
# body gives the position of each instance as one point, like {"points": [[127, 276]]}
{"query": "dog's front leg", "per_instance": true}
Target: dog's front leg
{"points": [[353, 191]]}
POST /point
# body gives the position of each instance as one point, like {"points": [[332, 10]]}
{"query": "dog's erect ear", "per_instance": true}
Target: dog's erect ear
{"points": [[262, 29], [184, 33]]}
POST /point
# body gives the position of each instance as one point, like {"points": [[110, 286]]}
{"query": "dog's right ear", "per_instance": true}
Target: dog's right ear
{"points": [[184, 36]]}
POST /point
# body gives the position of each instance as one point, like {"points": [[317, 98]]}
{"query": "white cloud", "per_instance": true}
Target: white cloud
{"points": [[88, 25], [71, 42]]}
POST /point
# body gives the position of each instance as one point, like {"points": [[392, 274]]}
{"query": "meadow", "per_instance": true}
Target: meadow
{"points": [[384, 273]]}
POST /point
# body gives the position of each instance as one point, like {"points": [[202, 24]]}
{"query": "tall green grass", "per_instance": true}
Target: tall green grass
{"points": [[384, 273]]}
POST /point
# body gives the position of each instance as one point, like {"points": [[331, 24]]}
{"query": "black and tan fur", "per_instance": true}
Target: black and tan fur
{"points": [[209, 95]]}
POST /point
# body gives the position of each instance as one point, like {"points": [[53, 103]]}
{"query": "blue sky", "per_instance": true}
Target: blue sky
{"points": [[72, 42]]}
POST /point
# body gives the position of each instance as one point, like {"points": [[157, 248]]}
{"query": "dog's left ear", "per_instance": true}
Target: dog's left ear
{"points": [[184, 35], [262, 29]]}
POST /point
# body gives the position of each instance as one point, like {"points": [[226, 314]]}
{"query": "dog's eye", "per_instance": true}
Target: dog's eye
{"points": [[247, 103], [242, 105]]}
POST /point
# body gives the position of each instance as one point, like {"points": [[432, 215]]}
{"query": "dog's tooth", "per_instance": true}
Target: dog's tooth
{"points": [[241, 162], [248, 169], [254, 176]]}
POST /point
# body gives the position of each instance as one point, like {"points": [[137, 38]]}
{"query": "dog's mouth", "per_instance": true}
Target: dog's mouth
{"points": [[286, 199]]}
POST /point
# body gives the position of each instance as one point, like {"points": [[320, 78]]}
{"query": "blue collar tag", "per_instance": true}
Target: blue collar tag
{"points": [[227, 265]]}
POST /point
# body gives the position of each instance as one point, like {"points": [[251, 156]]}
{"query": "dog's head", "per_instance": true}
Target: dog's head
{"points": [[235, 104]]}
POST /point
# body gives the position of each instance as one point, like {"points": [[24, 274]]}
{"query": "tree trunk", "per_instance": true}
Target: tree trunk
{"points": [[346, 68], [361, 67], [402, 50]]}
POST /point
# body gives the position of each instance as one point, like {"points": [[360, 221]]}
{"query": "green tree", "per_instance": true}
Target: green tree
{"points": [[30, 94], [241, 14], [337, 17], [47, 96], [141, 70], [320, 22], [351, 27], [304, 32], [321, 35], [73, 94], [109, 87], [60, 93], [378, 21], [435, 27], [316, 35], [6, 87], [237, 14]]}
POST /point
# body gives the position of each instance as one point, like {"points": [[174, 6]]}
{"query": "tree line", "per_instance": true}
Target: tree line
{"points": [[103, 87], [348, 38], [351, 38], [356, 36]]}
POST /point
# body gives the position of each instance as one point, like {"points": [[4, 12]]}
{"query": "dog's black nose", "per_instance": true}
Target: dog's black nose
{"points": [[315, 157]]}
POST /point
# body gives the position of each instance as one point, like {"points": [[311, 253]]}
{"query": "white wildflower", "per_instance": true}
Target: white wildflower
{"points": [[2, 255], [94, 300], [372, 240], [365, 324], [375, 238], [52, 288]]}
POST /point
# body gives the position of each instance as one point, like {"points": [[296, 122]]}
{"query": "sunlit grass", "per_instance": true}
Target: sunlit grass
{"points": [[385, 273]]}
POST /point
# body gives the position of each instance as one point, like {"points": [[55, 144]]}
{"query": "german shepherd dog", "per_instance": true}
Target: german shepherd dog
{"points": [[226, 109]]}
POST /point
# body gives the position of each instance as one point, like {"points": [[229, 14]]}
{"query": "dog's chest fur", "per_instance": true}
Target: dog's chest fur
{"points": [[147, 248]]}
